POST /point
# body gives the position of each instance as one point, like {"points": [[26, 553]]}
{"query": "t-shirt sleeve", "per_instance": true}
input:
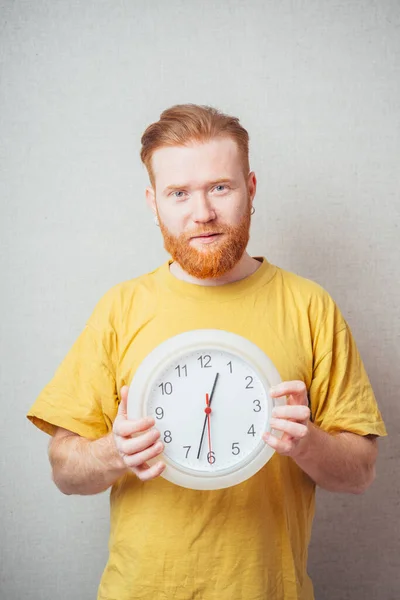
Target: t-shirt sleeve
{"points": [[341, 395], [82, 396]]}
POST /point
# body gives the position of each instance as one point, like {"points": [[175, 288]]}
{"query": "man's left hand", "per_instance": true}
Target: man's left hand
{"points": [[293, 419]]}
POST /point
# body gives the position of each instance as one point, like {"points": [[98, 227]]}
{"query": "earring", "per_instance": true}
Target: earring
{"points": [[253, 210], [156, 221]]}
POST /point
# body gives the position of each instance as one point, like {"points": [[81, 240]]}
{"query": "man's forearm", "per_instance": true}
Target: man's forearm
{"points": [[85, 467], [344, 462]]}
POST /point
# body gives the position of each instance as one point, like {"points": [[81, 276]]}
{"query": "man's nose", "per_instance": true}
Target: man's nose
{"points": [[203, 210]]}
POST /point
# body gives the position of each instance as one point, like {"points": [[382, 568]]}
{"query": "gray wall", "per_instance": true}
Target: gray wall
{"points": [[317, 85]]}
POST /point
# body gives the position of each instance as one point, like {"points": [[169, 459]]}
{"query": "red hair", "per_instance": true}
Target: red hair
{"points": [[185, 123]]}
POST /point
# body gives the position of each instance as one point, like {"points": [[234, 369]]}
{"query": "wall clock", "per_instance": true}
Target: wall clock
{"points": [[207, 390]]}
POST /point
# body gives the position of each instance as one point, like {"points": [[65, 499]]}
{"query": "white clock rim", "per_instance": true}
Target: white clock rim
{"points": [[190, 341]]}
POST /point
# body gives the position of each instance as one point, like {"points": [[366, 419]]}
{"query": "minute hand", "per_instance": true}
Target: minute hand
{"points": [[205, 420]]}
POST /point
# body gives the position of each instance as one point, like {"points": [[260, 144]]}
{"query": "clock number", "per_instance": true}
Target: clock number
{"points": [[179, 369], [187, 451], [205, 361], [230, 365], [159, 412], [167, 436], [258, 405], [235, 448], [166, 388], [251, 430], [211, 457], [249, 386]]}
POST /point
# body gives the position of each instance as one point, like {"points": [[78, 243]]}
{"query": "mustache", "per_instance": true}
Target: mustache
{"points": [[203, 230]]}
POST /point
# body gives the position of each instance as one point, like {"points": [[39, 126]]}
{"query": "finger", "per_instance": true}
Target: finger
{"points": [[136, 444], [288, 387], [295, 430], [123, 404], [145, 473], [127, 428], [284, 446], [298, 412], [140, 458]]}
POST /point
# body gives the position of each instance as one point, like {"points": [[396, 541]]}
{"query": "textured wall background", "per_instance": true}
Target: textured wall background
{"points": [[317, 85]]}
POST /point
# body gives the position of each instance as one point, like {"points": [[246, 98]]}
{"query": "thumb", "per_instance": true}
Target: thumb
{"points": [[123, 405]]}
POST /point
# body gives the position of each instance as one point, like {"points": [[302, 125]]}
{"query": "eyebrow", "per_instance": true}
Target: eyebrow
{"points": [[175, 187]]}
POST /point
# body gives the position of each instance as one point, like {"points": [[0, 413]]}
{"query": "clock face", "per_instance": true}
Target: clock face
{"points": [[211, 409], [207, 390]]}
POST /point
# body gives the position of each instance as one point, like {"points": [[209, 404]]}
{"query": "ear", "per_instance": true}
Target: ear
{"points": [[151, 199], [252, 185]]}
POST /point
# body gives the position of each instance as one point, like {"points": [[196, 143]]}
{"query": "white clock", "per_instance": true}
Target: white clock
{"points": [[208, 392]]}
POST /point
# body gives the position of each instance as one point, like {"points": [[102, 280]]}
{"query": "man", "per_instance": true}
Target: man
{"points": [[249, 541]]}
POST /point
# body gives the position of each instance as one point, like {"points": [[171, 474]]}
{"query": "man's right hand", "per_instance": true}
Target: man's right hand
{"points": [[137, 442]]}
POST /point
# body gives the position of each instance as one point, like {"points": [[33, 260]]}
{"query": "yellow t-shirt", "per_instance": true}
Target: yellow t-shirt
{"points": [[248, 542]]}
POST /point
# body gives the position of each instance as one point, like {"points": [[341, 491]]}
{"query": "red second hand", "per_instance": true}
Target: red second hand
{"points": [[207, 410]]}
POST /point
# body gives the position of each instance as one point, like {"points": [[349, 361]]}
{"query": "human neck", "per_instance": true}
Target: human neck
{"points": [[245, 267]]}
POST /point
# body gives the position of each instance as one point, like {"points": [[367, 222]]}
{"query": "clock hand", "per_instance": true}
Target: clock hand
{"points": [[208, 413], [206, 417]]}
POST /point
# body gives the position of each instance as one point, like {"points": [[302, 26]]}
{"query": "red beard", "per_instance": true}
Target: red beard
{"points": [[216, 259]]}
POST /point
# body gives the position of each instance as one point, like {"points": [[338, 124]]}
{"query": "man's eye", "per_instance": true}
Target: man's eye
{"points": [[220, 188], [178, 194]]}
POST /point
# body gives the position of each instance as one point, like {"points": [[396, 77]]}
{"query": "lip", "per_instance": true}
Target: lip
{"points": [[206, 235]]}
